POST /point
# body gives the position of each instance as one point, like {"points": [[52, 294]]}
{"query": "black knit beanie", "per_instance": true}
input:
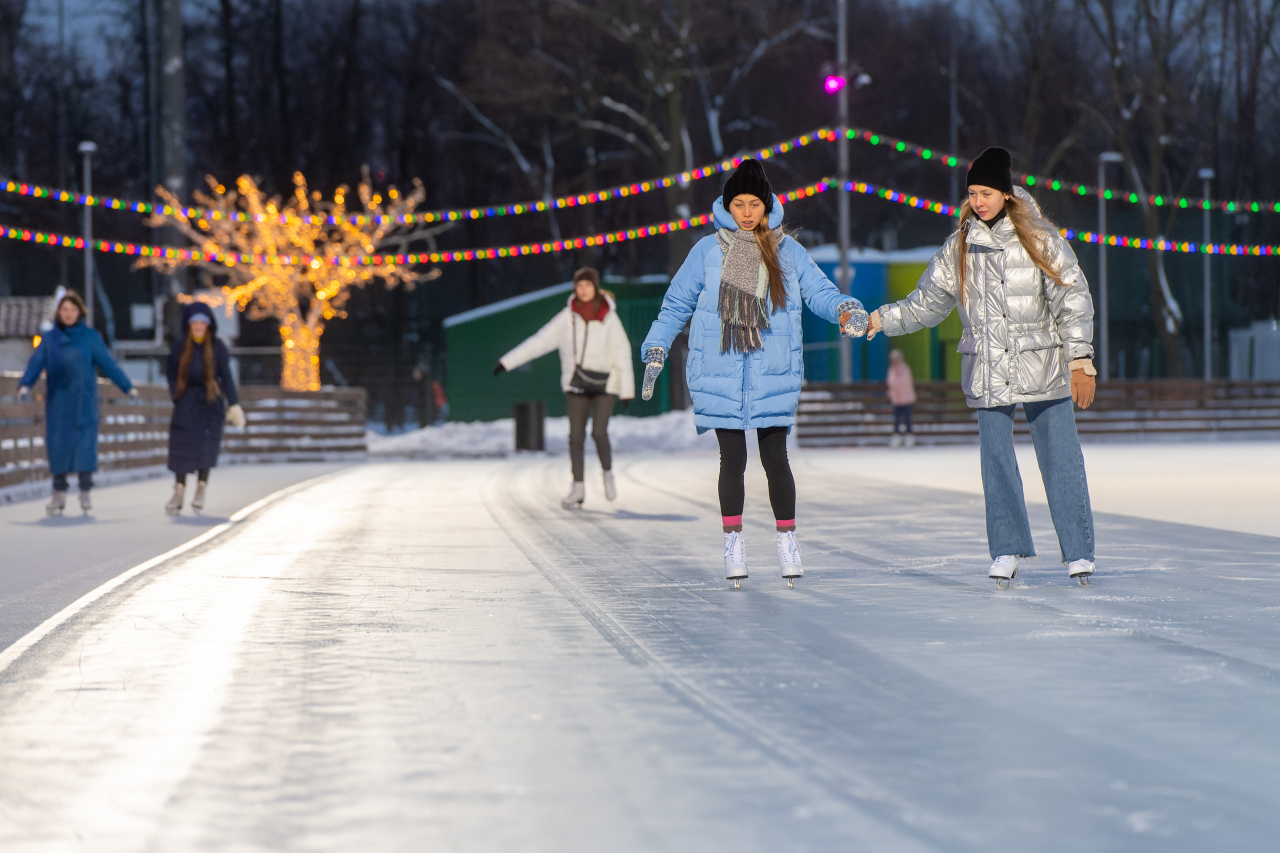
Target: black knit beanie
{"points": [[748, 178], [993, 168]]}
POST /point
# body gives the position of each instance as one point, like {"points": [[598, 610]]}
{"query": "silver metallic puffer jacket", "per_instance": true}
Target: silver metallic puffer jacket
{"points": [[1021, 329]]}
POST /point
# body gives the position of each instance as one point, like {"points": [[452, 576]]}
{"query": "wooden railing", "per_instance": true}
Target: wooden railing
{"points": [[133, 432], [298, 426], [831, 414]]}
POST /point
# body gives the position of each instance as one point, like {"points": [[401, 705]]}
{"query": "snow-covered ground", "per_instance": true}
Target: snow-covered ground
{"points": [[673, 431], [433, 655]]}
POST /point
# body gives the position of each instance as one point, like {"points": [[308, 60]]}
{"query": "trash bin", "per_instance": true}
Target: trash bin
{"points": [[530, 418]]}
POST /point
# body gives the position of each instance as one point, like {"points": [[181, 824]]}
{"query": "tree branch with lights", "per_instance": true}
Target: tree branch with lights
{"points": [[273, 282]]}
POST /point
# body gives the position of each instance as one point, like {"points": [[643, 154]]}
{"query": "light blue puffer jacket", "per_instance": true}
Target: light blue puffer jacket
{"points": [[736, 390]]}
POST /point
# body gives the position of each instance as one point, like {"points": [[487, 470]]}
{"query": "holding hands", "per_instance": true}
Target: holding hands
{"points": [[856, 322]]}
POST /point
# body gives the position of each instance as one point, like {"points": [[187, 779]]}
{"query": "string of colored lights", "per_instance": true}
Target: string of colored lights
{"points": [[824, 134], [1184, 202], [428, 217], [595, 240]]}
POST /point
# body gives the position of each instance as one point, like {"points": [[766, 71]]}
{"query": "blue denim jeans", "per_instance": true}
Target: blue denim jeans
{"points": [[1053, 432]]}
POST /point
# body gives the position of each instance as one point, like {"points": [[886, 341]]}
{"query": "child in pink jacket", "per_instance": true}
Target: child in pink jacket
{"points": [[902, 396]]}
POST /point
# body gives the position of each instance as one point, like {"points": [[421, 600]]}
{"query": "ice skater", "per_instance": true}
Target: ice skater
{"points": [[595, 372], [72, 354], [1028, 332], [742, 287], [204, 396], [902, 396]]}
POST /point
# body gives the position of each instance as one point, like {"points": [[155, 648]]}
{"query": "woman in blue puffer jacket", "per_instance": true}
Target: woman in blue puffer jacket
{"points": [[742, 287]]}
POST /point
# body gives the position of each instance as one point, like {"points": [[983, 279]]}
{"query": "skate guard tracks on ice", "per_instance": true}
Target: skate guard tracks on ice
{"points": [[435, 656]]}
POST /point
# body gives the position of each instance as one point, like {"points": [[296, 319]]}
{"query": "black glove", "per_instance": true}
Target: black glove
{"points": [[626, 404], [498, 368]]}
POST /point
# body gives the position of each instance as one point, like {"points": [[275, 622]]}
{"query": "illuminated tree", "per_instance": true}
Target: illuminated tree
{"points": [[295, 261]]}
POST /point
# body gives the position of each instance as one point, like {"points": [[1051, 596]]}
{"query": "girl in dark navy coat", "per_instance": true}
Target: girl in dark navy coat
{"points": [[72, 353], [204, 397]]}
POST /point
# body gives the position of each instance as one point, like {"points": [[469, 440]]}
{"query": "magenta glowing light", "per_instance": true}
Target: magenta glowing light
{"points": [[834, 83]]}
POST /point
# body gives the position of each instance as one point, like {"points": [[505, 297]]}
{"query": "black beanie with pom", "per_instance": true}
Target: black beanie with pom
{"points": [[749, 178], [993, 168]]}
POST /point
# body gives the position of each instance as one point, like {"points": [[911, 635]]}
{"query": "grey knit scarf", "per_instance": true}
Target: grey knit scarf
{"points": [[744, 291]]}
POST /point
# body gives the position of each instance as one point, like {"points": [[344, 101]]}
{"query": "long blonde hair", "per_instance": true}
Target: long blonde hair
{"points": [[1030, 225], [769, 255]]}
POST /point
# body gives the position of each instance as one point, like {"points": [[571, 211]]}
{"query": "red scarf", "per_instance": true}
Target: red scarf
{"points": [[594, 310]]}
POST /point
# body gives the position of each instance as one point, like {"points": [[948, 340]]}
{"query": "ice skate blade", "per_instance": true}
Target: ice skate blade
{"points": [[571, 505], [737, 583], [791, 583], [52, 510], [1084, 580]]}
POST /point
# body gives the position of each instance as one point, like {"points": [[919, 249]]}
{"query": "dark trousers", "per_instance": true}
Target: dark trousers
{"points": [[86, 481], [598, 407], [901, 415], [733, 471], [202, 475]]}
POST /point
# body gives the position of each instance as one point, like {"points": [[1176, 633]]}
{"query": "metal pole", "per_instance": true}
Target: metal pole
{"points": [[955, 120], [1105, 361], [842, 147], [1206, 175], [87, 149], [1104, 310]]}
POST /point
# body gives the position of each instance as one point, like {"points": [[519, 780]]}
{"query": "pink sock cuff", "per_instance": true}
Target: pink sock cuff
{"points": [[730, 520], [788, 522]]}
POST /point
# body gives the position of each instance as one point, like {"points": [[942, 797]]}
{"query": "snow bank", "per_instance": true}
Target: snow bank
{"points": [[671, 431]]}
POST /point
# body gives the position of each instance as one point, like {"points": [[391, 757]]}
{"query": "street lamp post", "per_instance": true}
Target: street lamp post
{"points": [[1104, 313], [1206, 175], [842, 148], [87, 149]]}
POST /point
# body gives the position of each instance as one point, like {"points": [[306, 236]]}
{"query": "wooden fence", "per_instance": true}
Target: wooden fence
{"points": [[133, 432], [831, 414]]}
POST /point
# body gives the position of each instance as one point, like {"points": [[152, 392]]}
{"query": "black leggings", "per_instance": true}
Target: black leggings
{"points": [[733, 470], [202, 475]]}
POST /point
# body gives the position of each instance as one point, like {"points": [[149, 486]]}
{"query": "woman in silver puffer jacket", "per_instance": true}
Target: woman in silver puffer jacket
{"points": [[1028, 332]]}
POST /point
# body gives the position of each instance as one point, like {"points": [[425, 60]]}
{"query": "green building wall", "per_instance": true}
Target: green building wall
{"points": [[477, 339]]}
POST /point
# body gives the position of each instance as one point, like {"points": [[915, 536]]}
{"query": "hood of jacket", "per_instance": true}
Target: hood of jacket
{"points": [[612, 306], [1003, 235], [723, 219], [201, 308]]}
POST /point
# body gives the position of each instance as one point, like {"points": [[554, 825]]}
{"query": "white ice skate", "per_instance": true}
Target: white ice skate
{"points": [[1080, 570], [577, 494], [896, 441], [610, 487], [1004, 570], [174, 506], [197, 500], [85, 503], [735, 558], [57, 503], [789, 557], [910, 440]]}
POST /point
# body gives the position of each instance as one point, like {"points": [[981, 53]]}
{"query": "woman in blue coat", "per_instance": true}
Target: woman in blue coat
{"points": [[72, 354], [204, 397], [741, 290]]}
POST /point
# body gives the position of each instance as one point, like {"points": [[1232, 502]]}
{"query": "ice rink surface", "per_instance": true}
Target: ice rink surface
{"points": [[434, 656]]}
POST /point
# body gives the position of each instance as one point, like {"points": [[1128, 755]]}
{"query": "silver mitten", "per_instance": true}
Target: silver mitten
{"points": [[653, 361], [859, 319]]}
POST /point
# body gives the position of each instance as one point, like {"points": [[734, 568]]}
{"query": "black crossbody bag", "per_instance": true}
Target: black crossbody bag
{"points": [[589, 382]]}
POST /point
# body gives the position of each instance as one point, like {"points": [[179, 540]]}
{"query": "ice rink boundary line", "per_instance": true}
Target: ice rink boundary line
{"points": [[31, 639]]}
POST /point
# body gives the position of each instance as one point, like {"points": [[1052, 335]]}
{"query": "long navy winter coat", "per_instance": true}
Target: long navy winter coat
{"points": [[195, 433], [72, 356]]}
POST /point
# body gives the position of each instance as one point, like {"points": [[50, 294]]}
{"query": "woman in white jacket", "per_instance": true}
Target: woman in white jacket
{"points": [[595, 371]]}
